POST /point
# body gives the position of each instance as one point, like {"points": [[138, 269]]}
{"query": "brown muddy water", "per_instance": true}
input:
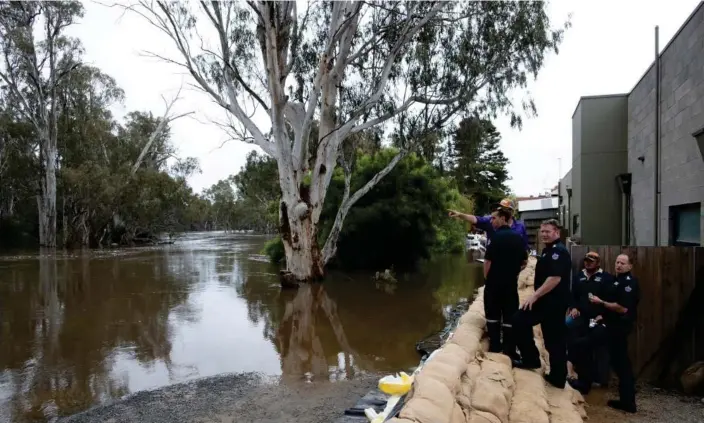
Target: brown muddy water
{"points": [[83, 329]]}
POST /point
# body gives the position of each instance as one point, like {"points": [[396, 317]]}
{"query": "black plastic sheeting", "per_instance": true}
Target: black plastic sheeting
{"points": [[376, 399]]}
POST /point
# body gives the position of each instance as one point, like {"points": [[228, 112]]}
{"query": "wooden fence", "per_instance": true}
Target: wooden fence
{"points": [[669, 335]]}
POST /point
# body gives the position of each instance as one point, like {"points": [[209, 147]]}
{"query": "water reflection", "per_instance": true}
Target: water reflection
{"points": [[76, 331]]}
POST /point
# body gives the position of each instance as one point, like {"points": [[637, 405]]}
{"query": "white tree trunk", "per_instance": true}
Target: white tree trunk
{"points": [[299, 235], [47, 199]]}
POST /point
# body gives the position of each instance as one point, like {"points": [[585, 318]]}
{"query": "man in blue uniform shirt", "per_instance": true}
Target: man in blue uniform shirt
{"points": [[588, 281], [484, 222], [503, 261], [547, 307]]}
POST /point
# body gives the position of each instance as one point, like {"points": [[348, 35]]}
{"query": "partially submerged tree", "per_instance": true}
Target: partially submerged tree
{"points": [[37, 56], [350, 66]]}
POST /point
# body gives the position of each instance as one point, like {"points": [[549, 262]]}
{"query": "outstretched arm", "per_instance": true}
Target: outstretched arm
{"points": [[468, 217]]}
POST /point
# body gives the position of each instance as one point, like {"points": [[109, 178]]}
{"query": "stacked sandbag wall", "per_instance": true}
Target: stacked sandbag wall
{"points": [[463, 383]]}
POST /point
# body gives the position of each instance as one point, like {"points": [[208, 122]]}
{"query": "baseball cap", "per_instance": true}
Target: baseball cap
{"points": [[506, 203], [592, 256]]}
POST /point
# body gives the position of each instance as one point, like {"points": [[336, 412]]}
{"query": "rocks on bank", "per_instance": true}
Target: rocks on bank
{"points": [[463, 383]]}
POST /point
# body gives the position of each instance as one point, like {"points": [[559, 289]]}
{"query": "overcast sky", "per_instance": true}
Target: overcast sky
{"points": [[608, 48]]}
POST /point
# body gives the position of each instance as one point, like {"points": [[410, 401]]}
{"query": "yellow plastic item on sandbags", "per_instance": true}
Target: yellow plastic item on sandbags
{"points": [[399, 384]]}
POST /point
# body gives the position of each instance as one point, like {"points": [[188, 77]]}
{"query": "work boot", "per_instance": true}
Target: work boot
{"points": [[528, 365], [618, 405], [581, 387], [493, 329], [553, 382]]}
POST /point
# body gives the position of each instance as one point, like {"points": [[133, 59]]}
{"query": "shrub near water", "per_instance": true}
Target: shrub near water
{"points": [[274, 249], [400, 222]]}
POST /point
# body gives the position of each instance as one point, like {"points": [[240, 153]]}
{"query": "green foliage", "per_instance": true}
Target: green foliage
{"points": [[248, 200], [476, 163], [99, 199], [400, 221], [274, 249], [451, 233]]}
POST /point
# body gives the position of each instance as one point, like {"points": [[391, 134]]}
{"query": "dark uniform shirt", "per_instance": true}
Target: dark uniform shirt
{"points": [[554, 261], [583, 285], [484, 223], [625, 291], [507, 254]]}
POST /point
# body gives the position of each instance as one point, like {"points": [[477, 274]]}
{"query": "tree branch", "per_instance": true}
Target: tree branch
{"points": [[330, 247]]}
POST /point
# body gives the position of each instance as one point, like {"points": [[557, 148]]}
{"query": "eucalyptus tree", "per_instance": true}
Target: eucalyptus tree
{"points": [[278, 68], [37, 55]]}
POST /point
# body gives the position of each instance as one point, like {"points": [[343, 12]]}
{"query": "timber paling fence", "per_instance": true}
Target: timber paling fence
{"points": [[669, 335]]}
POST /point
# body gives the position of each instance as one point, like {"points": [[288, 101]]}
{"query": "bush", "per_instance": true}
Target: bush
{"points": [[274, 249]]}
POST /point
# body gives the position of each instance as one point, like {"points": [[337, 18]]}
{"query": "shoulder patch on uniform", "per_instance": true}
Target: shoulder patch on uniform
{"points": [[555, 256], [628, 289], [628, 278], [597, 279]]}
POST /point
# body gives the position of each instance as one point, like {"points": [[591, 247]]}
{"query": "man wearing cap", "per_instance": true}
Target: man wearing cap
{"points": [[586, 283], [484, 222]]}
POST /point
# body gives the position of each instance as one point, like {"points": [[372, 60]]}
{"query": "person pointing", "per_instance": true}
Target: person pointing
{"points": [[484, 222]]}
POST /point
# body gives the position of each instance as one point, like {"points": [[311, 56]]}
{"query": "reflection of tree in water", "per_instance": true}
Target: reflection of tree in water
{"points": [[63, 319], [298, 341]]}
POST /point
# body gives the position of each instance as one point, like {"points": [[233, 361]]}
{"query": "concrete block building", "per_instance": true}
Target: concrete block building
{"points": [[637, 173]]}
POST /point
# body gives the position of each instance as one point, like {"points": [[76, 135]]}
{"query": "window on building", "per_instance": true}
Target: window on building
{"points": [[575, 223], [699, 136], [686, 225]]}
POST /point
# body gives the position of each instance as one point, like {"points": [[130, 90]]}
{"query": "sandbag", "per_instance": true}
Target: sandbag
{"points": [[457, 414], [477, 416], [442, 372], [530, 386], [473, 369], [502, 359], [468, 338], [525, 411], [453, 355], [424, 386], [490, 397], [562, 410], [464, 395], [499, 373], [692, 379], [397, 420], [422, 410], [529, 403], [473, 318]]}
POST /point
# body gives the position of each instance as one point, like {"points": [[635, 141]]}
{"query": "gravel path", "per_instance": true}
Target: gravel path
{"points": [[654, 406], [240, 398]]}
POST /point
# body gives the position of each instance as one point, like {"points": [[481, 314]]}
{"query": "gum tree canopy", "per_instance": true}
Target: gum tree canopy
{"points": [[303, 81]]}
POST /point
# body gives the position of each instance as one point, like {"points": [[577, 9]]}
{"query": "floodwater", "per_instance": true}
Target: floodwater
{"points": [[78, 330]]}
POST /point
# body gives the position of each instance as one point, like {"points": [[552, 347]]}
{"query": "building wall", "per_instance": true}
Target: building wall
{"points": [[682, 113], [599, 151], [604, 157], [576, 206], [564, 207]]}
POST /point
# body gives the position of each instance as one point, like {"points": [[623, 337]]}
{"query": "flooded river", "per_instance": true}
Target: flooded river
{"points": [[82, 329]]}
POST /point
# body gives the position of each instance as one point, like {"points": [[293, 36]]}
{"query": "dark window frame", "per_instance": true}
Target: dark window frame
{"points": [[674, 212]]}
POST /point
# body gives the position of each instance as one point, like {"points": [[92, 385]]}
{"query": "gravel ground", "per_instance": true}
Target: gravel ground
{"points": [[240, 398], [654, 406]]}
